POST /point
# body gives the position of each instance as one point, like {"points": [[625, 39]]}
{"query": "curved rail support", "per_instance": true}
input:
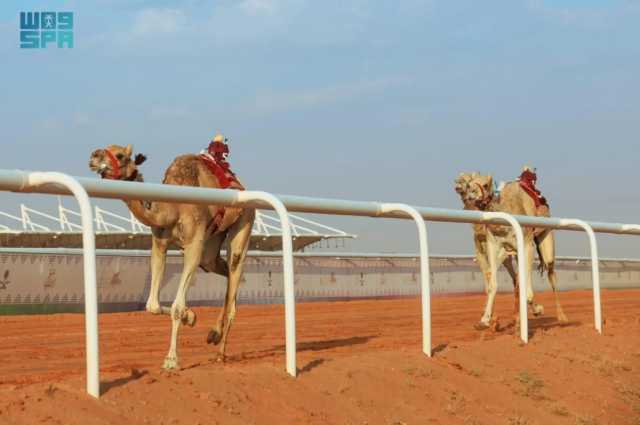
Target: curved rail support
{"points": [[89, 257], [287, 265], [523, 277], [425, 274], [595, 268]]}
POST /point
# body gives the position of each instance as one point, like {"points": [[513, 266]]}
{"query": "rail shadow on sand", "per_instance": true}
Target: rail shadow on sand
{"points": [[330, 343], [310, 366], [114, 383], [544, 323], [320, 345]]}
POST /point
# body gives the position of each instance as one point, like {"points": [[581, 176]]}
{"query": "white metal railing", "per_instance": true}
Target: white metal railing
{"points": [[106, 222], [71, 185], [27, 223], [21, 181]]}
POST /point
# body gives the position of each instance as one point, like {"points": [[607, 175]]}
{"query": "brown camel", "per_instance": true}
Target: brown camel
{"points": [[198, 230], [496, 244]]}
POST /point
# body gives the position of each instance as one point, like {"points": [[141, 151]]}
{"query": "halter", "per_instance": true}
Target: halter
{"points": [[483, 203], [115, 165]]}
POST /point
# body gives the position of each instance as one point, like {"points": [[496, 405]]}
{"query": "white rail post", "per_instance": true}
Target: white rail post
{"points": [[523, 277], [89, 256], [425, 274], [595, 268], [287, 265]]}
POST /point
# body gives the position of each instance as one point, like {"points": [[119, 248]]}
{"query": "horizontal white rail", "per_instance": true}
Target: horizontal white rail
{"points": [[15, 180]]}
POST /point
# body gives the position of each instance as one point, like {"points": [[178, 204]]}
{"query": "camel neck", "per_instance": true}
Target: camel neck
{"points": [[150, 214]]}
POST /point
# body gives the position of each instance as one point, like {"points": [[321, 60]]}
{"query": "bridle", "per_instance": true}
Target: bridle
{"points": [[483, 203], [115, 165]]}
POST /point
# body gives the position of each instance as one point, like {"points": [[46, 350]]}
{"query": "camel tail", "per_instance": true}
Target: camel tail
{"points": [[542, 265]]}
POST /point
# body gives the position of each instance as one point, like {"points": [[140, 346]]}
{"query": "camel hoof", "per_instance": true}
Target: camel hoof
{"points": [[562, 318], [538, 310], [170, 363], [189, 318], [214, 337], [154, 309], [480, 326], [221, 358]]}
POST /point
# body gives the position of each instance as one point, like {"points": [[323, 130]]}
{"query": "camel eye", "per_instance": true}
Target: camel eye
{"points": [[119, 156]]}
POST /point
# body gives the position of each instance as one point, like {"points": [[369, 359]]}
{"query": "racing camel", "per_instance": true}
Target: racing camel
{"points": [[496, 244], [199, 230]]}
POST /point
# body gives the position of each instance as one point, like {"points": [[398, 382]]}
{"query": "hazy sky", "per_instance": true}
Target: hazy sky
{"points": [[368, 100]]}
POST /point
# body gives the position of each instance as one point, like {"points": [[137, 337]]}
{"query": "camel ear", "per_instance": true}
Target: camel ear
{"points": [[128, 150], [489, 182], [140, 158], [463, 177], [460, 182]]}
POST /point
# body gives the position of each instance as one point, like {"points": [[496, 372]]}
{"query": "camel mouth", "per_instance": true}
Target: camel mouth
{"points": [[100, 168]]}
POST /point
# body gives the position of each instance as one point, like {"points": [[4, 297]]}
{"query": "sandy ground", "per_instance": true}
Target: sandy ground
{"points": [[360, 363]]}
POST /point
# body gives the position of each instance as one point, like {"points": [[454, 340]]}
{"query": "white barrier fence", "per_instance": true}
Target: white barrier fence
{"points": [[82, 188]]}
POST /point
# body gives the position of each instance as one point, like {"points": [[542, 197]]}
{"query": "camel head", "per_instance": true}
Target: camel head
{"points": [[115, 163], [475, 190]]}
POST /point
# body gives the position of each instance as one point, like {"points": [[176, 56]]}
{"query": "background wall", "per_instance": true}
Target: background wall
{"points": [[39, 281]]}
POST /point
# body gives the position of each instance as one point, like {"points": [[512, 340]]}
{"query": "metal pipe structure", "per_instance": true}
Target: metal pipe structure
{"points": [[287, 265], [18, 181], [523, 276], [425, 273], [14, 180], [36, 180], [595, 270]]}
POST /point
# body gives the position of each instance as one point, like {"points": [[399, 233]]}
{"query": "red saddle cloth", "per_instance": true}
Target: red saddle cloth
{"points": [[527, 182], [221, 170], [226, 178]]}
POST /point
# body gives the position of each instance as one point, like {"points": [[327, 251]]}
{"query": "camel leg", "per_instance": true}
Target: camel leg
{"points": [[496, 255], [220, 267], [537, 309], [211, 260], [239, 236], [158, 262], [179, 312], [546, 248], [483, 262], [508, 264], [551, 274]]}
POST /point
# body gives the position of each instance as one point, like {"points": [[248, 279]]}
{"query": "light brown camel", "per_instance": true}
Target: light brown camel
{"points": [[198, 230], [496, 244]]}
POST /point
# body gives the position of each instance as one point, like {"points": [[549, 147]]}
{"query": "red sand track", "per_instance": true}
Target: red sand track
{"points": [[360, 363]]}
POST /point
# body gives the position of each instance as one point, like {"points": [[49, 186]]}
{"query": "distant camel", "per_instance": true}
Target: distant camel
{"points": [[199, 230], [495, 244]]}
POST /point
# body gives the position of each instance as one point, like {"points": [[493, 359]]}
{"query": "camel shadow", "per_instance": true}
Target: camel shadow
{"points": [[134, 376]]}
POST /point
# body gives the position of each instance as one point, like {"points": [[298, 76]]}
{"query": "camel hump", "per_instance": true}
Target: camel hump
{"points": [[183, 171]]}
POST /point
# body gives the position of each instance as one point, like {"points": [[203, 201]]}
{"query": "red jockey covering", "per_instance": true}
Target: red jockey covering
{"points": [[527, 182], [215, 160]]}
